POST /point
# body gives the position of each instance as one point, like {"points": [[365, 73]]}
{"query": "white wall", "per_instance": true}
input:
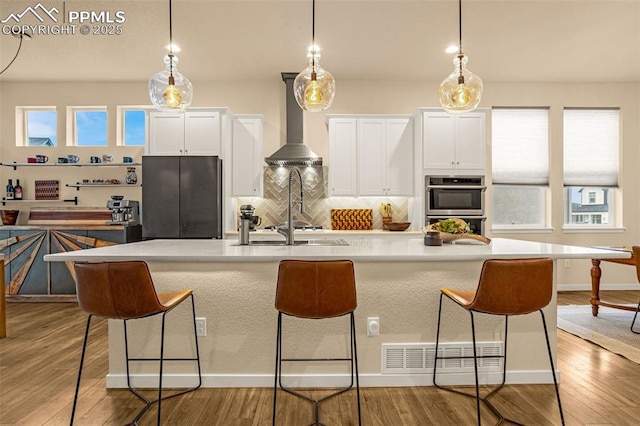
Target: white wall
{"points": [[352, 97]]}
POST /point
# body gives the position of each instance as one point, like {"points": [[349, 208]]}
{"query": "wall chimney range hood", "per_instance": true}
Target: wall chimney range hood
{"points": [[294, 152]]}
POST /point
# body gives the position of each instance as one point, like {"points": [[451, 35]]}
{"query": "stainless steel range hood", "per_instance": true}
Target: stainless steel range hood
{"points": [[294, 152]]}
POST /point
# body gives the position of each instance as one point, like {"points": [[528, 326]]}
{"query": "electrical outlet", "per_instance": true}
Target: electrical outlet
{"points": [[373, 326], [201, 326]]}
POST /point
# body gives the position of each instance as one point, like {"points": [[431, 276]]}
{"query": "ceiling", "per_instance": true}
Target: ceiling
{"points": [[506, 40]]}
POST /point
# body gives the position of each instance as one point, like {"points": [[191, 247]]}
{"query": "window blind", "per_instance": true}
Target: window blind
{"points": [[591, 146], [520, 146]]}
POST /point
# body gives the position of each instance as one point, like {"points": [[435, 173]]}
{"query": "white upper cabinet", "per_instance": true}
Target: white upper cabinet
{"points": [[370, 156], [342, 157], [453, 143], [191, 133], [247, 160]]}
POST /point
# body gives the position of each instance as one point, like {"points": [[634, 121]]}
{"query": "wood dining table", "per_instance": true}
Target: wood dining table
{"points": [[596, 274]]}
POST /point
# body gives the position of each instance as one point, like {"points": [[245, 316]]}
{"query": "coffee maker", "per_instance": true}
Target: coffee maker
{"points": [[123, 212], [246, 213]]}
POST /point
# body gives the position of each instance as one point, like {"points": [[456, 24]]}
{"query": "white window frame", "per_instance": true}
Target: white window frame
{"points": [[72, 134], [614, 193], [120, 123], [544, 200], [22, 125]]}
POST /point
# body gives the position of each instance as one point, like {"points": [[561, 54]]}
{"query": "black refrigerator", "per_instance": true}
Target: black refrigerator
{"points": [[181, 197]]}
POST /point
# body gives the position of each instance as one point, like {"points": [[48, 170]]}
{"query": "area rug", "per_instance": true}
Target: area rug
{"points": [[610, 329]]}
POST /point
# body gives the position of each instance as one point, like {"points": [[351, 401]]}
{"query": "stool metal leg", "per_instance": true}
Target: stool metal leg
{"points": [[553, 370], [634, 320], [276, 375], [354, 357], [84, 350], [148, 402], [475, 367], [316, 402]]}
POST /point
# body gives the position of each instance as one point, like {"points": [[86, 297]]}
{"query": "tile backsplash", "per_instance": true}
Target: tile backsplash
{"points": [[317, 204]]}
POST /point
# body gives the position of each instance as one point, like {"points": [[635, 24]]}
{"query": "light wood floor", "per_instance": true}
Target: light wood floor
{"points": [[38, 367]]}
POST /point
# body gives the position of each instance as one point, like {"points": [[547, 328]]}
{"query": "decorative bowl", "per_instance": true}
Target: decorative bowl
{"points": [[396, 226], [9, 217]]}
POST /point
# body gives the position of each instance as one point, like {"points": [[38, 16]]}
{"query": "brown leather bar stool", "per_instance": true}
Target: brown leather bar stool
{"points": [[124, 290], [316, 290], [506, 287]]}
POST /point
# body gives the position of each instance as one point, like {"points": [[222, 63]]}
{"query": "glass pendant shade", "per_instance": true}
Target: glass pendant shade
{"points": [[461, 91], [169, 90], [314, 88]]}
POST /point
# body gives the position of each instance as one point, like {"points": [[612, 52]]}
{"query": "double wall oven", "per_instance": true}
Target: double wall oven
{"points": [[456, 196]]}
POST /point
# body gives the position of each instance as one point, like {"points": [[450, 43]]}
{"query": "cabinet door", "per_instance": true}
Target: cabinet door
{"points": [[28, 272], [399, 155], [342, 156], [166, 134], [61, 273], [469, 136], [202, 133], [246, 157], [438, 140], [371, 156]]}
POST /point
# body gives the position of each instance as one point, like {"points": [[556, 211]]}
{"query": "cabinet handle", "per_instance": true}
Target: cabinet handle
{"points": [[452, 163]]}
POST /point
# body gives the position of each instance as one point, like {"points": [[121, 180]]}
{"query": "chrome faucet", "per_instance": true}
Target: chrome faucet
{"points": [[288, 230]]}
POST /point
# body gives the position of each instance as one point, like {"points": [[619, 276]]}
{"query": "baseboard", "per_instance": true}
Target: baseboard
{"points": [[587, 287], [320, 381]]}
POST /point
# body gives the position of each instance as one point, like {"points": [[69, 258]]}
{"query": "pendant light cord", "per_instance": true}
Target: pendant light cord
{"points": [[313, 35], [460, 54], [170, 40], [460, 25], [22, 35]]}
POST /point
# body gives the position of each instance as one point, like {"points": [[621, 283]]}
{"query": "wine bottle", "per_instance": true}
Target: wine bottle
{"points": [[10, 190], [17, 191]]}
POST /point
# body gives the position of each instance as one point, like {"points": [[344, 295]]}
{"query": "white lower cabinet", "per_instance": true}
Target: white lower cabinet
{"points": [[190, 133], [370, 156], [247, 160]]}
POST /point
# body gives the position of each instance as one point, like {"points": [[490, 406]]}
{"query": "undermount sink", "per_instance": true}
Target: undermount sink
{"points": [[336, 242]]}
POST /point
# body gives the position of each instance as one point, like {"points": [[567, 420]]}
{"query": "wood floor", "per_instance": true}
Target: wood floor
{"points": [[38, 367]]}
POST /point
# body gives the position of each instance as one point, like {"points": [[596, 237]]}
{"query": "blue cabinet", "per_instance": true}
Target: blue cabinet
{"points": [[28, 275]]}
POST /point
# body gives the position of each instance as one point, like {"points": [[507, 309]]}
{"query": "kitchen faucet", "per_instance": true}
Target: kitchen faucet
{"points": [[288, 230]]}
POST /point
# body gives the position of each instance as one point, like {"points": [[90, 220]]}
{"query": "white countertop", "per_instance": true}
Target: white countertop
{"points": [[363, 250]]}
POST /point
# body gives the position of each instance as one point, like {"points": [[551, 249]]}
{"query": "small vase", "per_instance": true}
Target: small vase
{"points": [[132, 176]]}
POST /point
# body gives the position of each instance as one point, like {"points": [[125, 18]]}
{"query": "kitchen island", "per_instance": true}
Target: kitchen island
{"points": [[398, 281]]}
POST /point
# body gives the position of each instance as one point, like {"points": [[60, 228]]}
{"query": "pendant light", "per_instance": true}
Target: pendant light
{"points": [[314, 87], [461, 91], [169, 90]]}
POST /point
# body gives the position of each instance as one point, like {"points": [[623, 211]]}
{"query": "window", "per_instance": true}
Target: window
{"points": [[520, 166], [87, 126], [132, 125], [36, 126], [591, 147]]}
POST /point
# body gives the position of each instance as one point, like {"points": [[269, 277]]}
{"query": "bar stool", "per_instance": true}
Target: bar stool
{"points": [[506, 287], [124, 290], [636, 254], [316, 290]]}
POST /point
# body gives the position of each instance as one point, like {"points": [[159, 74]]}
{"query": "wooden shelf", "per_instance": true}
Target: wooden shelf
{"points": [[77, 186], [73, 200], [16, 165]]}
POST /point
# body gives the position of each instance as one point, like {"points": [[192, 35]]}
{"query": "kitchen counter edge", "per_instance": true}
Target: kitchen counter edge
{"points": [[361, 250]]}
